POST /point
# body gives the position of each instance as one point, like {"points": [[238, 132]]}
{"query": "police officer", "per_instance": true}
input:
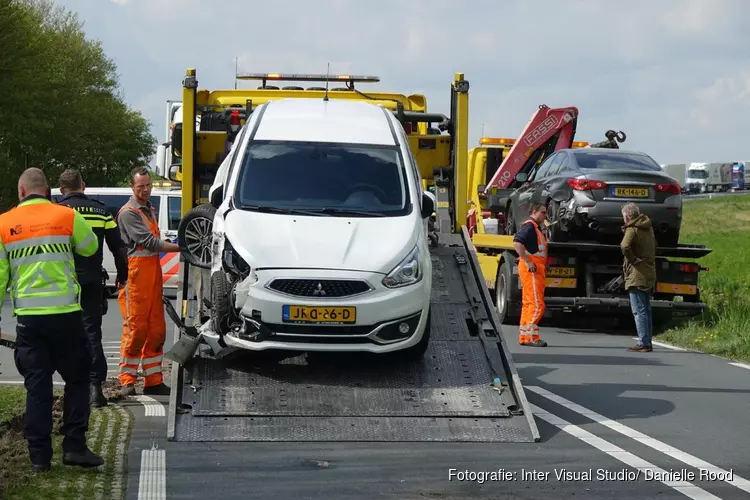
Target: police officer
{"points": [[89, 271], [37, 242]]}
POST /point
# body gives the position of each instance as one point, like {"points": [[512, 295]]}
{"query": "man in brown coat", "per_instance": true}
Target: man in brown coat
{"points": [[639, 270]]}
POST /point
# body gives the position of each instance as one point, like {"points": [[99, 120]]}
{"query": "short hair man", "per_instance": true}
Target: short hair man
{"points": [[531, 246], [38, 240], [639, 270], [145, 327], [89, 273]]}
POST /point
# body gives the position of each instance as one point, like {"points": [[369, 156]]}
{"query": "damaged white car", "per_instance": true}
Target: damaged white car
{"points": [[319, 236]]}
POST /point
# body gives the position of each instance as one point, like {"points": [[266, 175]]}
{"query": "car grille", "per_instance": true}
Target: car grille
{"points": [[319, 288]]}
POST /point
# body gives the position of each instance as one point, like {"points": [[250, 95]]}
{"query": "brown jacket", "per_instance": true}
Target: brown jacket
{"points": [[639, 248]]}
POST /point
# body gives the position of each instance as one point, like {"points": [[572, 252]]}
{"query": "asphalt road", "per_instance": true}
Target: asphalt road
{"points": [[670, 409]]}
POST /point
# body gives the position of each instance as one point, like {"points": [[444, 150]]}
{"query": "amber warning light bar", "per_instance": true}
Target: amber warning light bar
{"points": [[300, 77]]}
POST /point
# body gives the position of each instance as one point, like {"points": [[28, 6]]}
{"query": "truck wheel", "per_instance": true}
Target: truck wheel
{"points": [[195, 236], [503, 297], [416, 351], [220, 306]]}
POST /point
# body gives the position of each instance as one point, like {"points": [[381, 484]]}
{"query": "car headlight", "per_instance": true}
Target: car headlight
{"points": [[407, 272]]}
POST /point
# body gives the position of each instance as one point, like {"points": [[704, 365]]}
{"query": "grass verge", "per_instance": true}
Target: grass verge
{"points": [[723, 225], [109, 434]]}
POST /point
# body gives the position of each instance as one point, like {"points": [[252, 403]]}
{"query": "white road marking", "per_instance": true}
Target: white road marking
{"points": [[741, 365], [655, 444], [153, 407], [686, 488], [152, 482]]}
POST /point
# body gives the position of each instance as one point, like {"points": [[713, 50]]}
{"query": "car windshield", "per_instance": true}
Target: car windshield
{"points": [[616, 161], [697, 174], [348, 180]]}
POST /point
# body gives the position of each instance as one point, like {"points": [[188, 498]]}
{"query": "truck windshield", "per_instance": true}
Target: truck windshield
{"points": [[348, 180], [697, 174]]}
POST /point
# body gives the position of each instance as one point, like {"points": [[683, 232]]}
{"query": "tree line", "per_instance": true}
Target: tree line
{"points": [[60, 102]]}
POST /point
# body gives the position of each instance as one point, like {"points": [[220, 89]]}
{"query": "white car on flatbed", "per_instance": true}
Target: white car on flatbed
{"points": [[320, 238]]}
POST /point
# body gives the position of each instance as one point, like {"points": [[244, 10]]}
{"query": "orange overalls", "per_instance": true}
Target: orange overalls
{"points": [[144, 324], [532, 288]]}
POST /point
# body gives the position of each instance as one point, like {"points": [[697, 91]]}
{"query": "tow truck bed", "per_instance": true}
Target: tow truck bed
{"points": [[447, 396]]}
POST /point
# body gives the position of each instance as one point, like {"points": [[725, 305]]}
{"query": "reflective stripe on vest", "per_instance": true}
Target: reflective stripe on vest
{"points": [[41, 268], [540, 238]]}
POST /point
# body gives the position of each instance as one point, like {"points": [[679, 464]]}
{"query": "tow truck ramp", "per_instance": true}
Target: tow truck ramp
{"points": [[452, 394]]}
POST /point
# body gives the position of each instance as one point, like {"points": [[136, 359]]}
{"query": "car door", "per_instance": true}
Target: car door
{"points": [[559, 170], [528, 194]]}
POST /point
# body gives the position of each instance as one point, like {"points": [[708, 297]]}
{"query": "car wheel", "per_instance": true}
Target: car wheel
{"points": [[510, 221], [195, 235], [555, 232], [220, 306], [416, 351]]}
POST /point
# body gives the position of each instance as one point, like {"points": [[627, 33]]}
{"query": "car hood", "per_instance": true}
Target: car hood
{"points": [[370, 244]]}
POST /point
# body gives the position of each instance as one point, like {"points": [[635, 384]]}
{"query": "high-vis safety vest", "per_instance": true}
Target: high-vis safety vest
{"points": [[37, 242]]}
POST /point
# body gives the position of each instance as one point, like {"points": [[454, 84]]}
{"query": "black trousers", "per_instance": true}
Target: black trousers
{"points": [[91, 303], [45, 344]]}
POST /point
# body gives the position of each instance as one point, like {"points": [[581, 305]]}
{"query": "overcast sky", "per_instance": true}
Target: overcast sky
{"points": [[674, 75]]}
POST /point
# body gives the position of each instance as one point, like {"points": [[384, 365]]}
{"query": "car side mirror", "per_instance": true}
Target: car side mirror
{"points": [[428, 204], [522, 177], [217, 196]]}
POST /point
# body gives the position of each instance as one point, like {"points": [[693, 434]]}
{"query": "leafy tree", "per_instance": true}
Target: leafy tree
{"points": [[60, 103]]}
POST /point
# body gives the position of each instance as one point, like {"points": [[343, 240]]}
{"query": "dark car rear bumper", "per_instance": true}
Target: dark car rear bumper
{"points": [[606, 216]]}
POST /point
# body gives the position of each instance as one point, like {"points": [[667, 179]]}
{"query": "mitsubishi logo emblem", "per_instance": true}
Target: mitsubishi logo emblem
{"points": [[319, 290]]}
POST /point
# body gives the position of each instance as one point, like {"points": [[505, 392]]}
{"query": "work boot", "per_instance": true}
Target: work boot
{"points": [[128, 390], [85, 458], [96, 397], [537, 343], [40, 468], [640, 348], [157, 390]]}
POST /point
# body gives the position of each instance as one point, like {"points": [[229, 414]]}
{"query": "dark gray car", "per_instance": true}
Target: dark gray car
{"points": [[584, 191]]}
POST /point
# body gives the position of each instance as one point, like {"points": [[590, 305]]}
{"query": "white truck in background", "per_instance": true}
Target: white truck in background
{"points": [[677, 171], [709, 177]]}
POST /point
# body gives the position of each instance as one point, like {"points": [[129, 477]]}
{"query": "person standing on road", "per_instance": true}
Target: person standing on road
{"points": [[639, 270], [38, 240], [89, 272], [531, 246], [145, 326]]}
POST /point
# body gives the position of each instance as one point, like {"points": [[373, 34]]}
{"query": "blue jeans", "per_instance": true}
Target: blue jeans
{"points": [[640, 304]]}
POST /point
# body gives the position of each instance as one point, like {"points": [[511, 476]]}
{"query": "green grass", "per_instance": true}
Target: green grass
{"points": [[723, 225], [62, 483]]}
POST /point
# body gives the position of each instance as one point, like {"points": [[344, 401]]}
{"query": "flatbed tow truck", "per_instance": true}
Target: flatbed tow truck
{"points": [[583, 277], [465, 388]]}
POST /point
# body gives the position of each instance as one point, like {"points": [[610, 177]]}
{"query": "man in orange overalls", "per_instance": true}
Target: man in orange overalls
{"points": [[144, 324], [531, 246]]}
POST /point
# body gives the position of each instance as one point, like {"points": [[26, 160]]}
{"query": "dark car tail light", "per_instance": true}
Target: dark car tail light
{"points": [[671, 188], [586, 184]]}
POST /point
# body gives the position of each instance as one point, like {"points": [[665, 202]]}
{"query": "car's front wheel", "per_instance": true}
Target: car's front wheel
{"points": [[195, 235]]}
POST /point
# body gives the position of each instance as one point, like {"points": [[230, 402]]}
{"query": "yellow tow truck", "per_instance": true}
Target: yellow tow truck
{"points": [[465, 388]]}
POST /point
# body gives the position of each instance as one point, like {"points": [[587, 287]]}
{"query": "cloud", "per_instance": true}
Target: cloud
{"points": [[672, 74]]}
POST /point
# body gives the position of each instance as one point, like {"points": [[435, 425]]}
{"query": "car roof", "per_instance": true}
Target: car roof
{"points": [[316, 120], [607, 151]]}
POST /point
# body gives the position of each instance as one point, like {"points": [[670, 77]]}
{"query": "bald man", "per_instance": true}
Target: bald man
{"points": [[37, 241]]}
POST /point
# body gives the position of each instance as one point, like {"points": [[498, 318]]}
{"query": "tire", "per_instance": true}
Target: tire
{"points": [[220, 307], [195, 236], [503, 297], [556, 233], [510, 220], [416, 352]]}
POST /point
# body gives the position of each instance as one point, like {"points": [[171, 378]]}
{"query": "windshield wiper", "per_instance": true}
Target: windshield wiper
{"points": [[344, 211], [279, 210]]}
